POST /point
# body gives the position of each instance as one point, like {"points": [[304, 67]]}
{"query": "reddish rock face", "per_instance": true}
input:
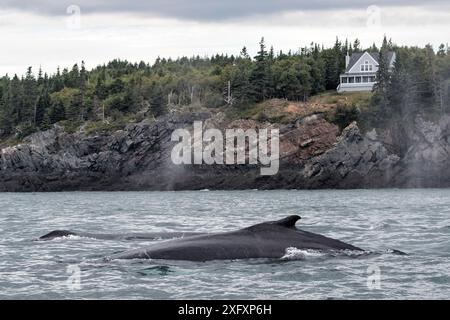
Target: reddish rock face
{"points": [[310, 138], [305, 139]]}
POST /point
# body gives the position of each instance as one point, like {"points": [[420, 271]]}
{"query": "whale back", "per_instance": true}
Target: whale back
{"points": [[264, 240], [56, 234]]}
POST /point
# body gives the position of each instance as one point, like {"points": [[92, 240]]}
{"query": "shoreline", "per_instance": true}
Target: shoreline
{"points": [[138, 158]]}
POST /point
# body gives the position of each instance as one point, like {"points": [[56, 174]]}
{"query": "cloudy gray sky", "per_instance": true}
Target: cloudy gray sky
{"points": [[61, 32]]}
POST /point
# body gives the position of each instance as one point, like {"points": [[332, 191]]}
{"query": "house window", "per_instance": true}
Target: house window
{"points": [[365, 79], [351, 79], [344, 80], [358, 79], [371, 79], [366, 66]]}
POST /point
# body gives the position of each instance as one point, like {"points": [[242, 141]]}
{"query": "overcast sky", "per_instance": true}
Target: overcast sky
{"points": [[52, 33]]}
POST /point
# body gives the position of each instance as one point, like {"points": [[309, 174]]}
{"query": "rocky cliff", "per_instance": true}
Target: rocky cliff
{"points": [[314, 154]]}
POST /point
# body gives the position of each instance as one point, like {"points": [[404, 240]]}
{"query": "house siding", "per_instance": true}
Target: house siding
{"points": [[360, 82], [356, 68]]}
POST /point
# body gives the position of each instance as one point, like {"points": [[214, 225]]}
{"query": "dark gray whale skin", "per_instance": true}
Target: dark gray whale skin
{"points": [[265, 240], [105, 236]]}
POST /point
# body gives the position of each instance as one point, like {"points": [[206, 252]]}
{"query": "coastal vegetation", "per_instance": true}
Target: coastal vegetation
{"points": [[273, 85]]}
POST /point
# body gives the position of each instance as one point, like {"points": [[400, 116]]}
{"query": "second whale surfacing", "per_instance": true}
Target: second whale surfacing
{"points": [[113, 236], [265, 240]]}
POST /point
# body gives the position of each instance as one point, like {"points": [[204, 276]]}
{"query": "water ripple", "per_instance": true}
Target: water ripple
{"points": [[413, 221]]}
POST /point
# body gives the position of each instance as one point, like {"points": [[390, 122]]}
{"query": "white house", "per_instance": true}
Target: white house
{"points": [[361, 70]]}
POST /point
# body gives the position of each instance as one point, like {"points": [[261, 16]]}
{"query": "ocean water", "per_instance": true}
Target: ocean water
{"points": [[416, 222]]}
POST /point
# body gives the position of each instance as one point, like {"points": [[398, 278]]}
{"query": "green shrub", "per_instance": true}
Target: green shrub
{"points": [[70, 126], [23, 131], [344, 115]]}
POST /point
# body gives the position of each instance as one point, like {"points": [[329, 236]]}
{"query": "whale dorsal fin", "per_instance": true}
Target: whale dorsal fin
{"points": [[288, 222]]}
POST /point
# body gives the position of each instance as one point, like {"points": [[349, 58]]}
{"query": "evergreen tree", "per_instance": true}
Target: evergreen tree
{"points": [[30, 97], [57, 82], [441, 52], [356, 46], [132, 100], [318, 82], [260, 75], [334, 65], [287, 79], [7, 118], [65, 77], [239, 76], [40, 80], [244, 54], [57, 111], [158, 103], [381, 96], [304, 75], [15, 101], [42, 107], [74, 110], [347, 48], [73, 77]]}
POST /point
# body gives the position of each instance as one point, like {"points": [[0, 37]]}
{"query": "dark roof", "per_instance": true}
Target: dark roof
{"points": [[375, 55]]}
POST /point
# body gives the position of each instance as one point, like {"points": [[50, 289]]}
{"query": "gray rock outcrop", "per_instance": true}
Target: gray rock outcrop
{"points": [[313, 155]]}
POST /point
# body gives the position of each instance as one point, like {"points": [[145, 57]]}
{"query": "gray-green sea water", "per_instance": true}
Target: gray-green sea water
{"points": [[414, 221]]}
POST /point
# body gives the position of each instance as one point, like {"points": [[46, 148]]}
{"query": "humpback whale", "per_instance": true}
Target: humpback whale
{"points": [[264, 240], [111, 236]]}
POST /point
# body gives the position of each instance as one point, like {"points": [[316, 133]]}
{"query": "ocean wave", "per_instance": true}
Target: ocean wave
{"points": [[380, 226], [293, 253]]}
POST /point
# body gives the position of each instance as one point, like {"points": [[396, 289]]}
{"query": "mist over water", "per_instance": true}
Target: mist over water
{"points": [[414, 221]]}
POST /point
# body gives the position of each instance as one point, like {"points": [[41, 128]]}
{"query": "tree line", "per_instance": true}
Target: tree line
{"points": [[119, 88]]}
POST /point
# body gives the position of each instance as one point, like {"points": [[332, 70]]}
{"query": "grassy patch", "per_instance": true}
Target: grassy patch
{"points": [[70, 126], [349, 98], [277, 111], [10, 141], [283, 111], [96, 127], [246, 111]]}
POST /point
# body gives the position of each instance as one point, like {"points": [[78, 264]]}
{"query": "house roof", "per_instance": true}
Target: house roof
{"points": [[375, 55]]}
